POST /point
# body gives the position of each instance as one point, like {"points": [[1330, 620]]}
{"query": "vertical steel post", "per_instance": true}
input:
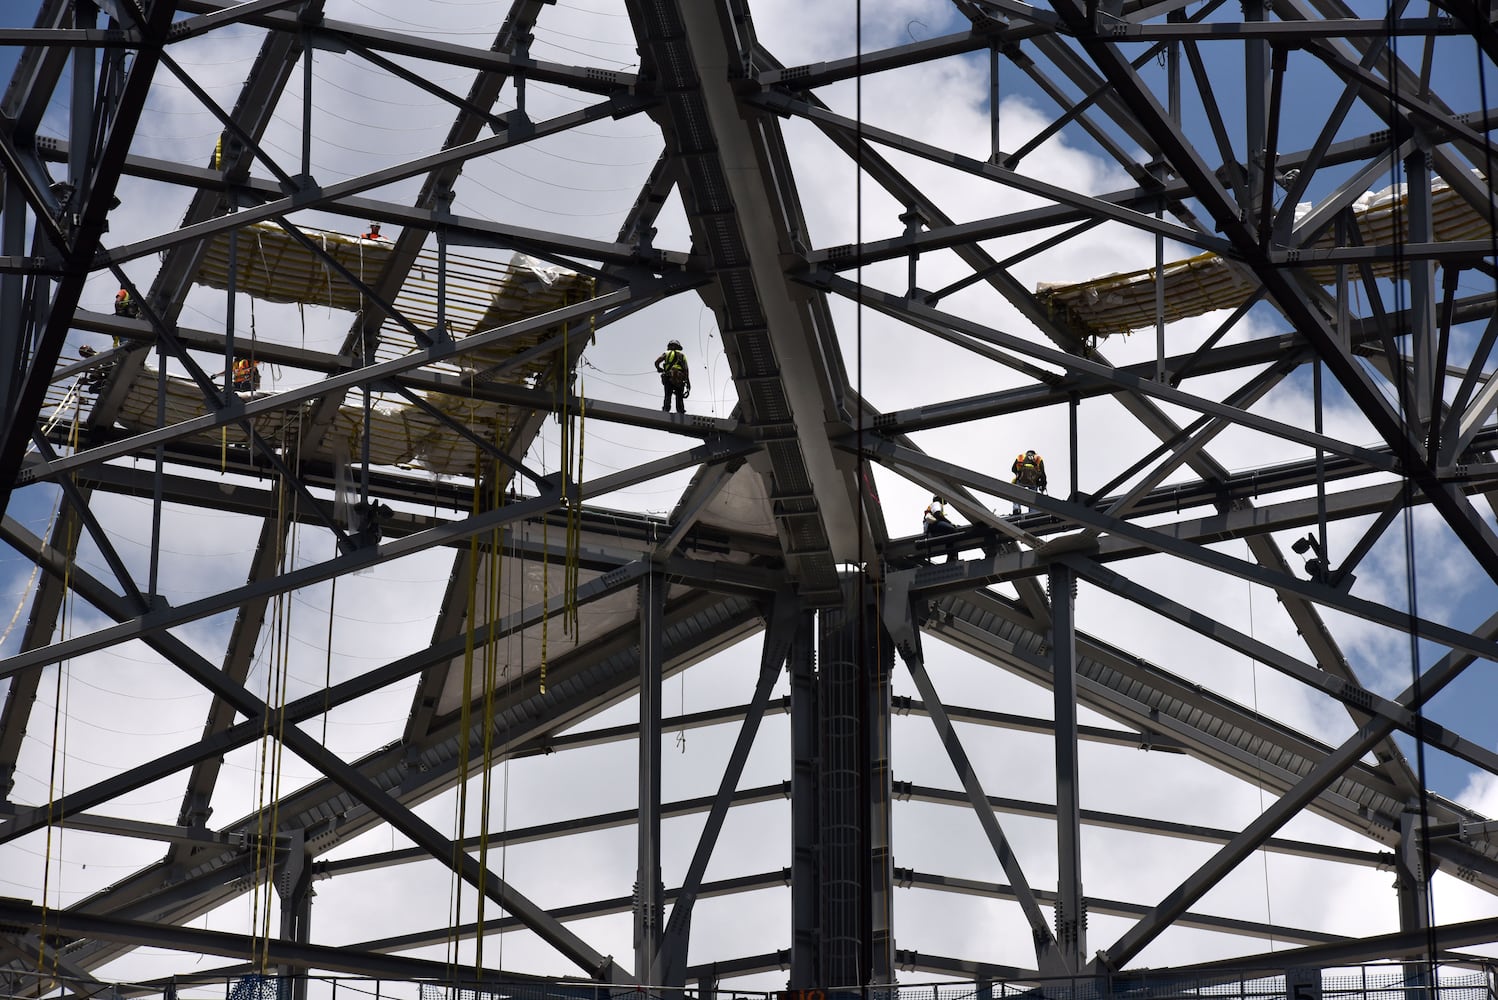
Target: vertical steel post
{"points": [[1318, 420], [855, 661], [1160, 373], [880, 791], [12, 294], [1421, 274], [993, 104], [159, 479], [1173, 68], [440, 333], [1255, 105], [81, 110], [1071, 915], [294, 886], [1410, 882], [1075, 442], [229, 314], [306, 107], [806, 960], [649, 893]]}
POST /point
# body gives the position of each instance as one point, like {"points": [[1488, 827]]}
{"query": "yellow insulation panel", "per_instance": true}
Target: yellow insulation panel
{"points": [[273, 266], [184, 401], [1119, 303], [400, 434]]}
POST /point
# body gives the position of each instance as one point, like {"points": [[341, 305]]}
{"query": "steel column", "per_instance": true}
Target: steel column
{"points": [[649, 892], [807, 961], [1071, 912], [1428, 379], [294, 887], [854, 797]]}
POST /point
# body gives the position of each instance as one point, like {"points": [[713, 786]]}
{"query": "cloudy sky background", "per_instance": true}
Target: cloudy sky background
{"points": [[127, 706]]}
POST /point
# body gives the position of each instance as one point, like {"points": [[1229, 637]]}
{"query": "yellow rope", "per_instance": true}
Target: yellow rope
{"points": [[491, 674], [289, 444], [268, 782]]}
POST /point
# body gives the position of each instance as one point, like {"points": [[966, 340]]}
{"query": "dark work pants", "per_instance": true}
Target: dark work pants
{"points": [[679, 391], [935, 530]]}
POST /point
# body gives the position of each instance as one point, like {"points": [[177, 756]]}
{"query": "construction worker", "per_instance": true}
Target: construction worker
{"points": [[124, 305], [1029, 472], [374, 232], [675, 379], [935, 524], [246, 375]]}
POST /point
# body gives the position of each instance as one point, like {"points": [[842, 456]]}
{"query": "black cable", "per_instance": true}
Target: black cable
{"points": [[1400, 280]]}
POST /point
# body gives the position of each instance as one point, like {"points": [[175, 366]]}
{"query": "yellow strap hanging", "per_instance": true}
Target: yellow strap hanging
{"points": [[466, 714]]}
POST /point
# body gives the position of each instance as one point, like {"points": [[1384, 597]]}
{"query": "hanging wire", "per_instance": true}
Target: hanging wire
{"points": [[1401, 263], [1253, 663], [57, 782], [283, 674]]}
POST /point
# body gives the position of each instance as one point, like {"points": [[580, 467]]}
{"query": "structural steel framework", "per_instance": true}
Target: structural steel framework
{"points": [[1315, 183]]}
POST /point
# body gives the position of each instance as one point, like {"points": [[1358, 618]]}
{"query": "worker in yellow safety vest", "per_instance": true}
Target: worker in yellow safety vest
{"points": [[1029, 472], [675, 379], [125, 305], [246, 375]]}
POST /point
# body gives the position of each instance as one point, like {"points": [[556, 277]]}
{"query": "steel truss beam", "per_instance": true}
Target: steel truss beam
{"points": [[796, 451]]}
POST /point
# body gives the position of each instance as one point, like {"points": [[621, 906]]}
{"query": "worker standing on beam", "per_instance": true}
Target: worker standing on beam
{"points": [[373, 233], [936, 525], [125, 305], [675, 379], [246, 375], [1029, 472]]}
